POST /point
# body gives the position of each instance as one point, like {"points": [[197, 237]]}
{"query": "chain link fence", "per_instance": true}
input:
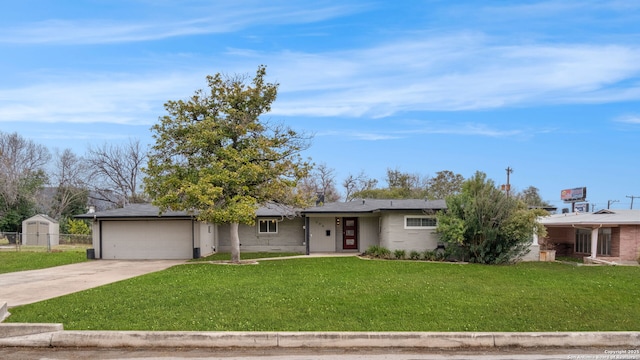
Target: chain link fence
{"points": [[9, 240]]}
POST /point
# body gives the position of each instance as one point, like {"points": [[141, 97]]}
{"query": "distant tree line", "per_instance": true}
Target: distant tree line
{"points": [[62, 184]]}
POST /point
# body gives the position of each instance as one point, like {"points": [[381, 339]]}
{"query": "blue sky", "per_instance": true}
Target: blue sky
{"points": [[548, 88]]}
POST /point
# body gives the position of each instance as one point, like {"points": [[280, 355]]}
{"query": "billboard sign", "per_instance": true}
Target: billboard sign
{"points": [[584, 207], [575, 194]]}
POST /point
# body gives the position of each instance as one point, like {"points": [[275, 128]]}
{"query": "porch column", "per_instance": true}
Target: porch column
{"points": [[594, 242]]}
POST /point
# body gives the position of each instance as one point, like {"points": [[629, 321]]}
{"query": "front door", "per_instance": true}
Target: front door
{"points": [[350, 234]]}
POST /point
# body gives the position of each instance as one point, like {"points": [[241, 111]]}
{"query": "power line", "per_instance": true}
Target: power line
{"points": [[632, 197], [609, 202], [509, 171]]}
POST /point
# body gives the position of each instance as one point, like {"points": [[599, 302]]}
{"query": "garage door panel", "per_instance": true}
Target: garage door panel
{"points": [[147, 239]]}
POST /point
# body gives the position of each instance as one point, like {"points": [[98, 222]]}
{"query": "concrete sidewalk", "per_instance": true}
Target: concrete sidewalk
{"points": [[26, 287]]}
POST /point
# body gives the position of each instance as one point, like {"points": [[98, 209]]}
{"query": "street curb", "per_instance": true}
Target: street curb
{"points": [[352, 340], [4, 310], [12, 330]]}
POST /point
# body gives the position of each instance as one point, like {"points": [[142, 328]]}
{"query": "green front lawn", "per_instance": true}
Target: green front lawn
{"points": [[351, 294], [244, 256], [11, 260]]}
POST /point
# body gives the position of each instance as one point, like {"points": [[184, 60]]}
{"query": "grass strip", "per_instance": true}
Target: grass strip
{"points": [[11, 261], [244, 256], [351, 294]]}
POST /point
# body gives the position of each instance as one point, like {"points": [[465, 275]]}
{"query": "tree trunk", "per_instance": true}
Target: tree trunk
{"points": [[235, 243]]}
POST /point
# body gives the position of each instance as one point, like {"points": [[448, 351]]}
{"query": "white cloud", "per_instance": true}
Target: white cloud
{"points": [[226, 17], [464, 71], [453, 73], [629, 119], [115, 99]]}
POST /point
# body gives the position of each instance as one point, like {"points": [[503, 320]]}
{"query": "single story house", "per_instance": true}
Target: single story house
{"points": [[605, 235], [40, 230], [139, 231], [354, 226]]}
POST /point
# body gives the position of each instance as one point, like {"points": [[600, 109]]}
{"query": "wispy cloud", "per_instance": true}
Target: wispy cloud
{"points": [[462, 72], [91, 98], [629, 119], [429, 128], [453, 73], [225, 17]]}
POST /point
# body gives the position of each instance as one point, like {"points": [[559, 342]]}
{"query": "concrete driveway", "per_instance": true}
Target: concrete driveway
{"points": [[25, 287]]}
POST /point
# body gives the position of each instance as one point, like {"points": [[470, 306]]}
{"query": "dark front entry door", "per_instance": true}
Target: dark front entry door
{"points": [[350, 234]]}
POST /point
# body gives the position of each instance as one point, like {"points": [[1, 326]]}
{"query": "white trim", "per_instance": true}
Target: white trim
{"points": [[406, 217]]}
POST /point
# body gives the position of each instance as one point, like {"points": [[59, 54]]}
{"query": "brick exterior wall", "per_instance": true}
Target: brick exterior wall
{"points": [[625, 242], [629, 242], [562, 238]]}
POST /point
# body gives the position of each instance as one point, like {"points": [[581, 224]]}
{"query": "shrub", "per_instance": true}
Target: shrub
{"points": [[429, 255], [379, 252], [399, 254], [414, 255]]}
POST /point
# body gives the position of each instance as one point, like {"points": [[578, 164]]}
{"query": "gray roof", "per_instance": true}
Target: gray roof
{"points": [[134, 211], [376, 205], [272, 209], [151, 211], [602, 217]]}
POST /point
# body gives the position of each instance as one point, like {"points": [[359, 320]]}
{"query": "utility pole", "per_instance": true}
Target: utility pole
{"points": [[632, 197], [508, 187], [609, 202]]}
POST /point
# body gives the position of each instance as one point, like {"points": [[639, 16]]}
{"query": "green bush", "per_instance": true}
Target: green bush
{"points": [[429, 255], [414, 255], [378, 252], [399, 254]]}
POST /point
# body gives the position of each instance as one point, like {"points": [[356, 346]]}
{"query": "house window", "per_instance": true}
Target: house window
{"points": [[583, 241], [267, 226], [419, 222]]}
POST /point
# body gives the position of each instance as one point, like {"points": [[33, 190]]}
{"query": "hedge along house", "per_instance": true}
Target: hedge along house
{"points": [[356, 225], [605, 235]]}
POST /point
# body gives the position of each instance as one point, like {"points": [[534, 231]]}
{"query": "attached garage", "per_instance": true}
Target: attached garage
{"points": [[141, 232], [146, 239]]}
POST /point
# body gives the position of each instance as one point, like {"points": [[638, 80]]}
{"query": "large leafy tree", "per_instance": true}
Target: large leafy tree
{"points": [[445, 183], [486, 225], [531, 196], [400, 185], [216, 157]]}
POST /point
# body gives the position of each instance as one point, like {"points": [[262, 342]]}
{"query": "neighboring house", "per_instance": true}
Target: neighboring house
{"points": [[40, 230], [609, 235], [139, 231]]}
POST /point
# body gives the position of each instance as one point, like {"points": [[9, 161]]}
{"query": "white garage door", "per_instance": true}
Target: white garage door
{"points": [[147, 239]]}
